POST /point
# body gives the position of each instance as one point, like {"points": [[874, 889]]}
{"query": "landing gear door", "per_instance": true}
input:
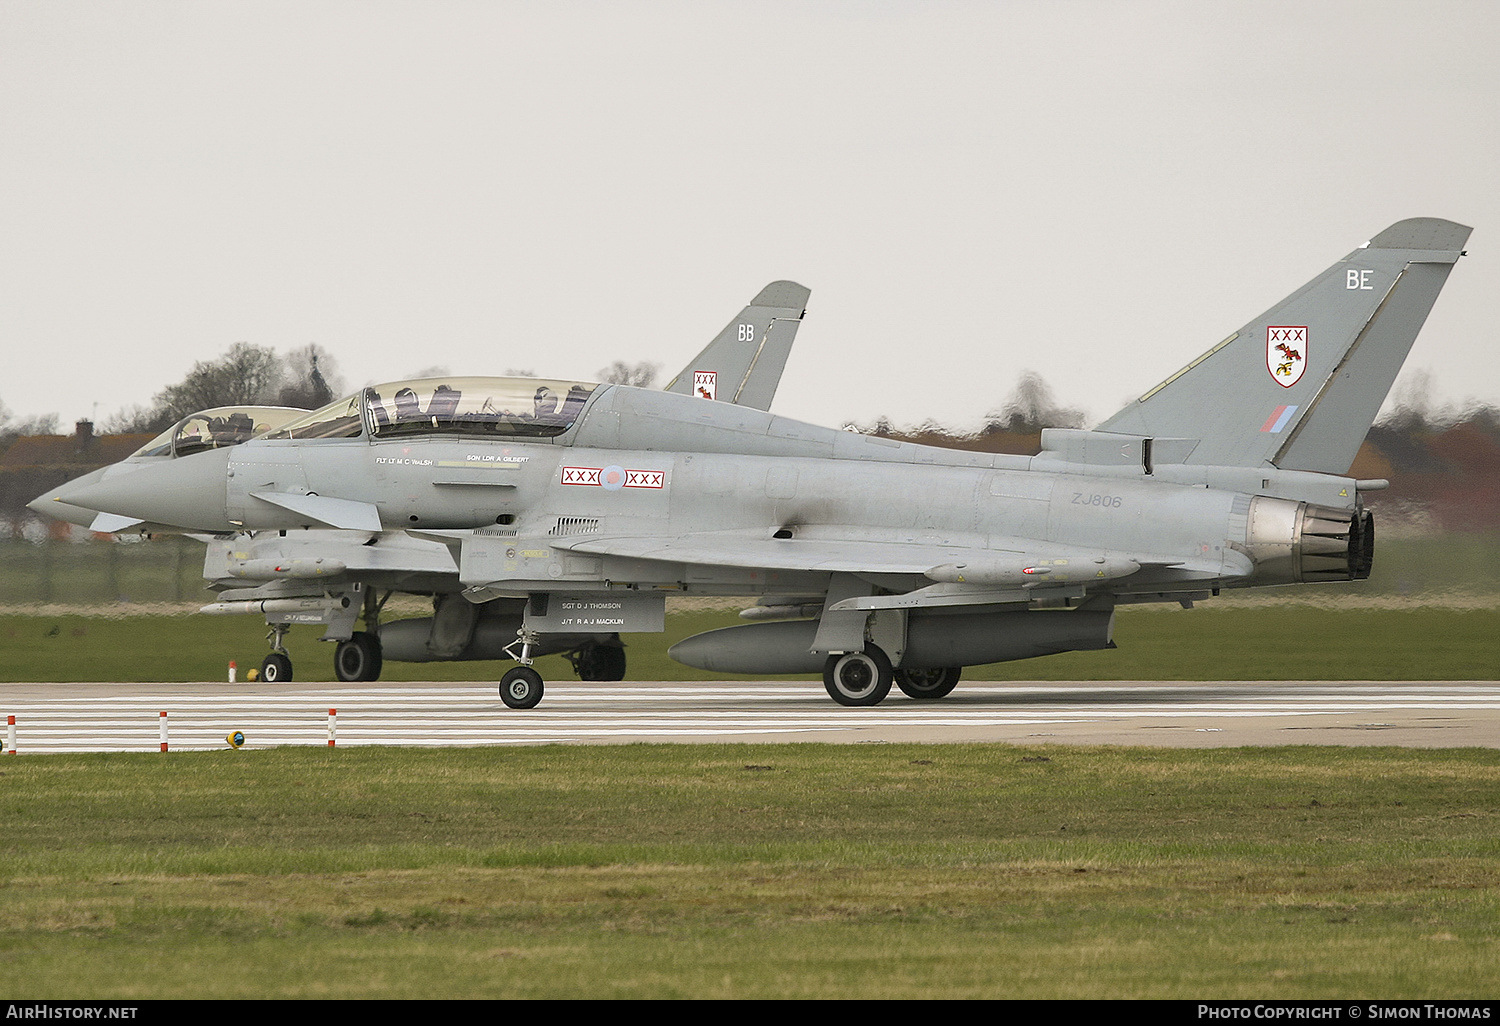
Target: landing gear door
{"points": [[596, 613]]}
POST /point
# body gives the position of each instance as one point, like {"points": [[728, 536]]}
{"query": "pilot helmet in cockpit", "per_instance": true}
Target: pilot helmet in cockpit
{"points": [[545, 403]]}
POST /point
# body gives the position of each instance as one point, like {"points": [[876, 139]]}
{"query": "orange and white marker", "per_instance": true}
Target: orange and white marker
{"points": [[333, 726], [163, 719], [10, 734], [231, 671]]}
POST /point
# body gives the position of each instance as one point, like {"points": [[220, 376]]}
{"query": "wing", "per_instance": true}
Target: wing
{"points": [[743, 549], [915, 573]]}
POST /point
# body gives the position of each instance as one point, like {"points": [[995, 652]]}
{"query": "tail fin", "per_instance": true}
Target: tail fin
{"points": [[744, 363], [1299, 386]]}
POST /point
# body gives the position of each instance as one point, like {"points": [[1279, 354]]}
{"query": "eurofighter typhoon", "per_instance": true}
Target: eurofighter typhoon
{"points": [[286, 576], [581, 506]]}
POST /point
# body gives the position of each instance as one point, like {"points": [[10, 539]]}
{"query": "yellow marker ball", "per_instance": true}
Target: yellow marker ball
{"points": [[252, 674]]}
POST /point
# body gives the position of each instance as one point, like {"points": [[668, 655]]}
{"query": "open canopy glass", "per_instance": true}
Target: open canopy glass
{"points": [[213, 429]]}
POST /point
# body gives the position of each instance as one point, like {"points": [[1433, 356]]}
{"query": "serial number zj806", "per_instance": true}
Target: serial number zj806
{"points": [[1094, 499]]}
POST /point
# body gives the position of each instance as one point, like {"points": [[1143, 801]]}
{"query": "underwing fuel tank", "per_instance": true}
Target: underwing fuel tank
{"points": [[413, 641], [1298, 542], [934, 641]]}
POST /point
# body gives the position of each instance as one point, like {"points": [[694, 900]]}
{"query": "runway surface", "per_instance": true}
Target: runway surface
{"points": [[1199, 714]]}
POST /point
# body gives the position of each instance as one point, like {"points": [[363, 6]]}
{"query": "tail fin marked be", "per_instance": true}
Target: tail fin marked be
{"points": [[743, 363], [1299, 386]]}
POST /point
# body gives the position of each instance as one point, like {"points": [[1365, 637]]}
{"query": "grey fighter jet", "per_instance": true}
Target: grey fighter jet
{"points": [[875, 562], [336, 577]]}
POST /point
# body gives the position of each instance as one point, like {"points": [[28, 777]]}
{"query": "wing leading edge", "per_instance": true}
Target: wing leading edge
{"points": [[939, 575]]}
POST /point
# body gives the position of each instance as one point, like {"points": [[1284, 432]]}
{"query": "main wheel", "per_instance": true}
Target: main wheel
{"points": [[858, 678], [927, 684], [358, 658], [276, 669], [521, 687], [601, 662]]}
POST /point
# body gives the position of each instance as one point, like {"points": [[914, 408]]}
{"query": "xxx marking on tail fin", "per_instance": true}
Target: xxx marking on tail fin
{"points": [[1299, 386]]}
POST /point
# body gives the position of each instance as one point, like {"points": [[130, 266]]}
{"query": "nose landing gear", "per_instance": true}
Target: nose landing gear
{"points": [[276, 668]]}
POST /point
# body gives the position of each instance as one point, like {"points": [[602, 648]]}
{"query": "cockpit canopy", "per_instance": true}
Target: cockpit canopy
{"points": [[527, 407], [216, 428], [504, 407]]}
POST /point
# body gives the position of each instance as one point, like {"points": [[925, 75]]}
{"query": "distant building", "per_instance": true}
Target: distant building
{"points": [[34, 464]]}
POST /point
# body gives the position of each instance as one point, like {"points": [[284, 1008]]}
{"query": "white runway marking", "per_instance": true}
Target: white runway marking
{"points": [[117, 718]]}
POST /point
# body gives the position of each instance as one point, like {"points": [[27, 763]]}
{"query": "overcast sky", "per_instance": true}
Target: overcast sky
{"points": [[1095, 191]]}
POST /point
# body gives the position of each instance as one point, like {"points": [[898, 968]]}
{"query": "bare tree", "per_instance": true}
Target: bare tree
{"points": [[244, 376], [311, 378], [1030, 408], [1412, 408], [641, 375], [10, 430], [135, 420]]}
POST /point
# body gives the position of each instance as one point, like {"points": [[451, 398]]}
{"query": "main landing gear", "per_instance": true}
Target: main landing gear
{"points": [[358, 658], [596, 661], [521, 687], [865, 678], [858, 678], [928, 684]]}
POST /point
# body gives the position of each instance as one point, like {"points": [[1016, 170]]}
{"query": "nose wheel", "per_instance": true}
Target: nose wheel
{"points": [[276, 668]]}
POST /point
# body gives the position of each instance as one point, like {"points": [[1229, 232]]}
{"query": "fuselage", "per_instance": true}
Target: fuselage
{"points": [[791, 502]]}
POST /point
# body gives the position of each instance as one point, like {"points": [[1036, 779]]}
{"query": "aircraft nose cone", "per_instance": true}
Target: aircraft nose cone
{"points": [[57, 503], [186, 493], [44, 503]]}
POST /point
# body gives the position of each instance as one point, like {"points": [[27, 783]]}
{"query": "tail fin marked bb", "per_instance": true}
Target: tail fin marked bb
{"points": [[743, 363]]}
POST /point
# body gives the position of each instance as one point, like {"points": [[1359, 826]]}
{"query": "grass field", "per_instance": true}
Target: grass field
{"points": [[870, 871], [1277, 642], [1430, 611], [762, 871]]}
